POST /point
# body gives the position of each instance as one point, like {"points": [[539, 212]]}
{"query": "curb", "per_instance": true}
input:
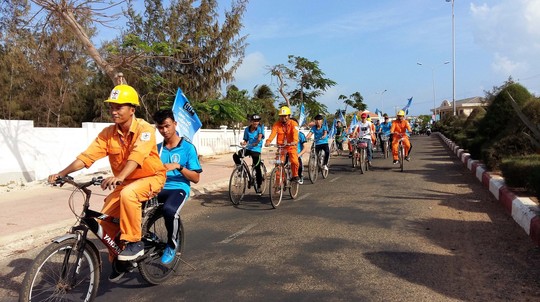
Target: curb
{"points": [[524, 211]]}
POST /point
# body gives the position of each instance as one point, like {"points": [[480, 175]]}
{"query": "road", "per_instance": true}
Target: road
{"points": [[431, 233]]}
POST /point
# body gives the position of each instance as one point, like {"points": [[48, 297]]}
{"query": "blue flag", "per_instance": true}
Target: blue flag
{"points": [[353, 123], [185, 116], [341, 118], [332, 130], [302, 117], [406, 108], [379, 114]]}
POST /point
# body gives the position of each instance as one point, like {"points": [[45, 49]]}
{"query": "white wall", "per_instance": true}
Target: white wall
{"points": [[29, 153]]}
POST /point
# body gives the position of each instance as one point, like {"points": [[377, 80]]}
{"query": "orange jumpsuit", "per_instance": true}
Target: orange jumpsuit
{"points": [[143, 183], [287, 134], [400, 127]]}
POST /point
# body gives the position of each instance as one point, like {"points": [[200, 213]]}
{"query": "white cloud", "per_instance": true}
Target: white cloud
{"points": [[253, 66], [506, 66], [510, 30]]}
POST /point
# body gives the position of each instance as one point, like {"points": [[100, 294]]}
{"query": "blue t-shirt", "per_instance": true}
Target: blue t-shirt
{"points": [[386, 128], [318, 133], [186, 155], [251, 137], [301, 141]]}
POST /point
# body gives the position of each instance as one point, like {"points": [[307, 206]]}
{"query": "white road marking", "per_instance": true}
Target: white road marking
{"points": [[303, 197], [335, 179], [235, 235]]}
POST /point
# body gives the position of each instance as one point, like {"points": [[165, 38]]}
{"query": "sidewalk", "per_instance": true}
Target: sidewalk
{"points": [[524, 211], [34, 214]]}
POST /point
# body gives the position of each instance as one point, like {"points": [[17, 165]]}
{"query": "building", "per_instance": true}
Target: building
{"points": [[463, 107]]}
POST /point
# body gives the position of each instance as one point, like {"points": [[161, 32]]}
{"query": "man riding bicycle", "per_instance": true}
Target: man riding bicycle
{"points": [[253, 139], [399, 129], [286, 131], [138, 173], [180, 158], [384, 130], [320, 131]]}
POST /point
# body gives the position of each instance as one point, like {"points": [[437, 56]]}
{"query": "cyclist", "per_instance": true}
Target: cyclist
{"points": [[138, 173], [180, 158], [340, 133], [301, 150], [287, 134], [399, 129], [384, 130], [365, 131], [320, 131], [253, 139]]}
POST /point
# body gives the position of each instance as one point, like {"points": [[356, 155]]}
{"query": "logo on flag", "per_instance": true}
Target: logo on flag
{"points": [[185, 116]]}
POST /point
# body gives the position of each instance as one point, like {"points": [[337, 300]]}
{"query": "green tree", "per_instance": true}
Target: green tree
{"points": [[309, 83], [193, 49], [355, 100]]}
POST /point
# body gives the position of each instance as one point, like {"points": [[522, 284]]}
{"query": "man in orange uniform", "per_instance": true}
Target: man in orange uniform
{"points": [[287, 134], [398, 130], [138, 173]]}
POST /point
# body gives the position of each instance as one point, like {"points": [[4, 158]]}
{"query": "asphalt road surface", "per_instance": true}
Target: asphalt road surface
{"points": [[430, 233]]}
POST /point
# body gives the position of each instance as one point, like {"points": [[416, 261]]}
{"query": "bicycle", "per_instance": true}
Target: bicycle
{"points": [[244, 176], [280, 178], [401, 151], [359, 157], [386, 145], [69, 268], [315, 164]]}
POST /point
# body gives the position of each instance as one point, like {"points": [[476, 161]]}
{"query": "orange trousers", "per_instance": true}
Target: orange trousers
{"points": [[292, 151], [125, 202], [406, 145]]}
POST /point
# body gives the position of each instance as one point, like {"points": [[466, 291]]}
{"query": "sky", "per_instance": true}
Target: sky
{"points": [[373, 47]]}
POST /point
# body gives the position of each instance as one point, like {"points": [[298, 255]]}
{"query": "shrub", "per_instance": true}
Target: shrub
{"points": [[523, 172], [508, 146]]}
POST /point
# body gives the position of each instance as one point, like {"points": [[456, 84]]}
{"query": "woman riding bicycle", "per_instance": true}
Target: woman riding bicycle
{"points": [[365, 132], [253, 139], [320, 131], [399, 130]]}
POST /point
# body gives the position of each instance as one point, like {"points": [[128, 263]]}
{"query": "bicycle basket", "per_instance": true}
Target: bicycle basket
{"points": [[384, 138], [362, 145]]}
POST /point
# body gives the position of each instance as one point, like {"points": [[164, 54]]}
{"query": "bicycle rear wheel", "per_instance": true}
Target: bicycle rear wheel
{"points": [[401, 156], [155, 239], [237, 185], [277, 185], [354, 158], [362, 160], [57, 275], [321, 164], [264, 184], [312, 167], [293, 188]]}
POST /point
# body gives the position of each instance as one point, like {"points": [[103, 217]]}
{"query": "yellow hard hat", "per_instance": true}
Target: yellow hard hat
{"points": [[123, 94], [285, 110], [401, 113]]}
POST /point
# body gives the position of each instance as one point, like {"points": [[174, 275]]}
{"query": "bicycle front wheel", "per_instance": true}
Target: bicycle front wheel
{"points": [[354, 155], [155, 240], [277, 185], [312, 167], [237, 185], [386, 149], [401, 156], [57, 275]]}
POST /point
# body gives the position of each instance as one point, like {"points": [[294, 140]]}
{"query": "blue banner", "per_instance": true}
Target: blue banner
{"points": [[379, 114], [302, 117], [188, 122], [342, 119], [406, 108], [332, 130]]}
